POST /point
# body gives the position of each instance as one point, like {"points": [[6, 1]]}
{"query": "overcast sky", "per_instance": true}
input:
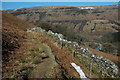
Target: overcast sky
{"points": [[60, 0]]}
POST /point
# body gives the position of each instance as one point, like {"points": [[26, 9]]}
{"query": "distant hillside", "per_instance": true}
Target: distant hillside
{"points": [[65, 13], [87, 25], [74, 18]]}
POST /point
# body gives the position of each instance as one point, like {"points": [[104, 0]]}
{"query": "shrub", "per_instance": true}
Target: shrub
{"points": [[45, 25]]}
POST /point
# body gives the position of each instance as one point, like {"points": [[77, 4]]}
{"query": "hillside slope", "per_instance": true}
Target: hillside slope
{"points": [[32, 52], [93, 26], [12, 33], [105, 65], [15, 48], [27, 54]]}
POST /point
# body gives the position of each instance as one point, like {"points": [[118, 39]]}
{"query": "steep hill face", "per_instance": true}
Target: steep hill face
{"points": [[36, 53], [20, 57], [31, 54], [15, 46], [90, 26], [13, 32]]}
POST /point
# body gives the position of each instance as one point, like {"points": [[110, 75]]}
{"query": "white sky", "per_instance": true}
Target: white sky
{"points": [[60, 0]]}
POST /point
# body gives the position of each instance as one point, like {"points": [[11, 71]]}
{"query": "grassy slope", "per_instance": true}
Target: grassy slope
{"points": [[13, 37], [19, 56], [32, 48], [13, 22], [23, 53], [13, 33], [27, 44], [63, 56]]}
